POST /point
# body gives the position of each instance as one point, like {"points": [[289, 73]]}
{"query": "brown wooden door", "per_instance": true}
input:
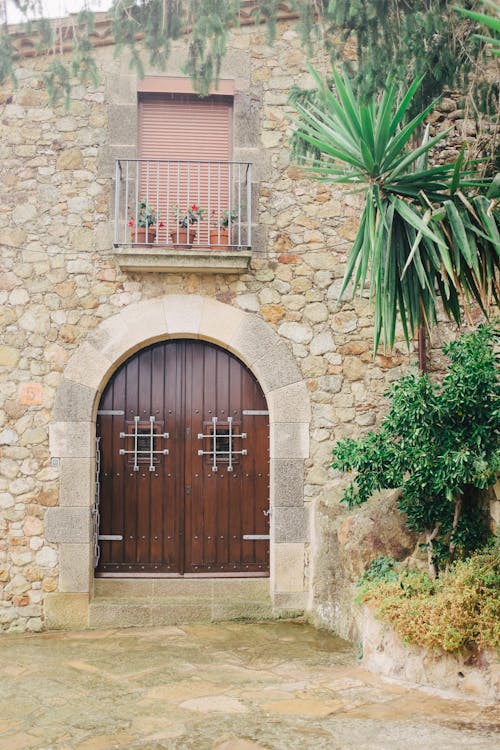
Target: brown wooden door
{"points": [[183, 438]]}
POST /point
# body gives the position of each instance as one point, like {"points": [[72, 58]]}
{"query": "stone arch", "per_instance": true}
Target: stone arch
{"points": [[72, 437]]}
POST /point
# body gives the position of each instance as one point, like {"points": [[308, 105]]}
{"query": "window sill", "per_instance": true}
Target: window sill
{"points": [[158, 259]]}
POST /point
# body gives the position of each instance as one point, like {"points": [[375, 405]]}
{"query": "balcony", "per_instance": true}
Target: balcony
{"points": [[180, 216]]}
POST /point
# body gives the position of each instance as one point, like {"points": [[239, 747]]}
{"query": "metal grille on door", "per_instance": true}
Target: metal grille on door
{"points": [[144, 445], [222, 444]]}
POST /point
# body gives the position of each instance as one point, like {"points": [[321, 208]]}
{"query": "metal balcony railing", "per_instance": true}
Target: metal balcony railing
{"points": [[163, 197]]}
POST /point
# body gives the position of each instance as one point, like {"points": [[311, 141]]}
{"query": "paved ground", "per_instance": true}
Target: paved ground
{"points": [[234, 686]]}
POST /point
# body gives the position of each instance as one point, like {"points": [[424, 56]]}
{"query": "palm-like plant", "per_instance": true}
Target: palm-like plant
{"points": [[425, 231], [491, 22]]}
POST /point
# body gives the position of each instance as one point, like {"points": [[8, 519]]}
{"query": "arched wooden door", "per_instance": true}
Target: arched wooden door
{"points": [[183, 436]]}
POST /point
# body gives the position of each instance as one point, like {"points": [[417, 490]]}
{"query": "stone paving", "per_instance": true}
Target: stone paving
{"points": [[230, 686]]}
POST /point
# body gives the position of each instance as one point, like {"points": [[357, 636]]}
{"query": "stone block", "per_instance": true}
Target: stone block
{"points": [[75, 565], [72, 439], [183, 314], [219, 322], [291, 403], [110, 338], [87, 366], [181, 613], [122, 89], [292, 604], [68, 525], [257, 343], [289, 525], [287, 478], [127, 588], [289, 440], [277, 368], [247, 589], [74, 402], [76, 487], [261, 163], [246, 121], [119, 614], [66, 611], [182, 587], [242, 610], [259, 240], [288, 567], [122, 127], [107, 164], [144, 323]]}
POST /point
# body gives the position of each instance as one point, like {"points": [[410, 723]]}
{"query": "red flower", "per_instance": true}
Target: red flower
{"points": [[194, 207], [161, 224], [131, 223]]}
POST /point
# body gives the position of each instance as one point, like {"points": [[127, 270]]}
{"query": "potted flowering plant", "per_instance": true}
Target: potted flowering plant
{"points": [[220, 226], [147, 221], [185, 232]]}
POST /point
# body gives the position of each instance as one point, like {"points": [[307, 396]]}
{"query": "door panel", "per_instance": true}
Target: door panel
{"points": [[186, 510]]}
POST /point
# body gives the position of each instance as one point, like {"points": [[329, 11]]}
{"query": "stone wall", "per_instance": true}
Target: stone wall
{"points": [[60, 279], [475, 676]]}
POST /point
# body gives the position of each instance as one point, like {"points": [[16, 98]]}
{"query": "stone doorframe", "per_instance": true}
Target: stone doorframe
{"points": [[72, 438]]}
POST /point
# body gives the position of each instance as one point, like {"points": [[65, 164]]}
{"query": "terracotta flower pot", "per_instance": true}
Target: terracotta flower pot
{"points": [[219, 237], [139, 235], [183, 236]]}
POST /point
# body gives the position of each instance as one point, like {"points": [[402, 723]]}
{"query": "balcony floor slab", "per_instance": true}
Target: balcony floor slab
{"points": [[168, 259]]}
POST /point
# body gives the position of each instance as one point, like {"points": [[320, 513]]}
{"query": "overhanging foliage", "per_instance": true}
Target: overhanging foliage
{"points": [[407, 39]]}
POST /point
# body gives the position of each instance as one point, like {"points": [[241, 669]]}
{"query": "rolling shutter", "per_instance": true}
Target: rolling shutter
{"points": [[196, 137], [183, 127]]}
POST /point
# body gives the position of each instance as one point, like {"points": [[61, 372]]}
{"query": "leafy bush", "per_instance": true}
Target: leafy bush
{"points": [[459, 611], [439, 444]]}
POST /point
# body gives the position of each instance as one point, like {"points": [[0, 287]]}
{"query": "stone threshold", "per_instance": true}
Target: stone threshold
{"points": [[162, 601], [179, 260]]}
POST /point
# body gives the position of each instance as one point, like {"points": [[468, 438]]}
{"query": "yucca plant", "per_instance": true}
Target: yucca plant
{"points": [[491, 22], [426, 232]]}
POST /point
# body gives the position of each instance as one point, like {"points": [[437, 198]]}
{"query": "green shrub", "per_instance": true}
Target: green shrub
{"points": [[439, 444], [459, 611]]}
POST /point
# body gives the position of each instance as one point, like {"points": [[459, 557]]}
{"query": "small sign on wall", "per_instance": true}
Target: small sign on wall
{"points": [[30, 394]]}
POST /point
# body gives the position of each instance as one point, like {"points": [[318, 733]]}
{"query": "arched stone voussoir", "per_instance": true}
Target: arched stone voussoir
{"points": [[131, 329], [257, 344], [88, 366], [220, 322], [73, 402], [182, 314]]}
